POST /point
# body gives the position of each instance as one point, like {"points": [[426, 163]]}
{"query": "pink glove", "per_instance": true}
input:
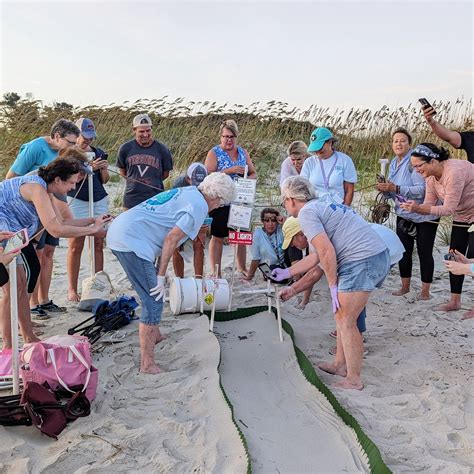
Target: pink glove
{"points": [[335, 302], [279, 274]]}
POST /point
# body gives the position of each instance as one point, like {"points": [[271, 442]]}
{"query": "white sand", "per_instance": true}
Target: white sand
{"points": [[417, 405]]}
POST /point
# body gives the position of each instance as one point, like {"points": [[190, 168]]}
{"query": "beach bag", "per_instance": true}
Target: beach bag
{"points": [[5, 362], [95, 289], [61, 361]]}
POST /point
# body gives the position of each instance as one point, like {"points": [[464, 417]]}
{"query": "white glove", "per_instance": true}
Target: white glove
{"points": [[159, 290]]}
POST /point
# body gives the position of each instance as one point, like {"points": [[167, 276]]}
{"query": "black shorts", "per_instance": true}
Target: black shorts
{"points": [[31, 264], [46, 239], [220, 216]]}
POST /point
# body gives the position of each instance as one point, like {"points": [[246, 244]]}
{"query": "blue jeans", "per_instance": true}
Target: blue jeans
{"points": [[142, 275]]}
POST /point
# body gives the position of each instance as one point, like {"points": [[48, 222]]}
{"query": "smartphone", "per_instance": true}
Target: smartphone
{"points": [[207, 221], [425, 104], [16, 242], [380, 178], [449, 256], [400, 198], [267, 273]]}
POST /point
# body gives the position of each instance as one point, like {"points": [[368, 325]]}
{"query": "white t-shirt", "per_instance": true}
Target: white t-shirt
{"points": [[391, 240], [143, 228], [337, 168], [287, 170]]}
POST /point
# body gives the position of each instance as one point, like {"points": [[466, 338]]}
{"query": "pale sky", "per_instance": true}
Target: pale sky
{"points": [[333, 54]]}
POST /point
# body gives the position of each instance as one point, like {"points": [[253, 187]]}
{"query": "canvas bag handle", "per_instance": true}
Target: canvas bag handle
{"points": [[80, 358]]}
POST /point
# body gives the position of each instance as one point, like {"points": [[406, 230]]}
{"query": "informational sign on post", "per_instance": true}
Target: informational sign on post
{"points": [[245, 190], [242, 238], [240, 217]]}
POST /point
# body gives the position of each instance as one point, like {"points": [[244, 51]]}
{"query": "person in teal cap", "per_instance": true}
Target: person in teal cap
{"points": [[332, 173]]}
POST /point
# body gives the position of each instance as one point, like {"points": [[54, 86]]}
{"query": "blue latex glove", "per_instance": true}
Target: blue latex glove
{"points": [[279, 274], [335, 302]]}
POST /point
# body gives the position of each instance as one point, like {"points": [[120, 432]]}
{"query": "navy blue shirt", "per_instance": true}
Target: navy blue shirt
{"points": [[98, 186]]}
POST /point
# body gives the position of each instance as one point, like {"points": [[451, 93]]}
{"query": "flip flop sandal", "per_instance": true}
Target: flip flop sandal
{"points": [[333, 334]]}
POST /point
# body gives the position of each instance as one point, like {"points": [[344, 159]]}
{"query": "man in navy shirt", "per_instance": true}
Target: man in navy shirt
{"points": [[144, 162]]}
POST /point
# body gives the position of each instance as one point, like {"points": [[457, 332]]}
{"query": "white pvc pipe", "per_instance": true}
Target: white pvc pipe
{"points": [[90, 238], [14, 325], [260, 291], [213, 311], [280, 331], [269, 299], [233, 276]]}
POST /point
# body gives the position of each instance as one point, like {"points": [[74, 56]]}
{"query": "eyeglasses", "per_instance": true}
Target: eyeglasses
{"points": [[69, 141], [423, 163], [228, 137], [284, 201], [269, 219]]}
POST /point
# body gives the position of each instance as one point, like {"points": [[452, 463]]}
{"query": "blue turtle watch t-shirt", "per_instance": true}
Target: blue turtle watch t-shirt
{"points": [[143, 228]]}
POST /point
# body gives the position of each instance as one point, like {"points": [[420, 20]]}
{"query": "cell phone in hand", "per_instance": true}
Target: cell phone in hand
{"points": [[16, 242], [450, 256], [425, 104], [267, 273], [400, 198]]}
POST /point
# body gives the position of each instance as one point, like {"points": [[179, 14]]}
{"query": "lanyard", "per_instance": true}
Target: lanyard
{"points": [[326, 180], [275, 245]]}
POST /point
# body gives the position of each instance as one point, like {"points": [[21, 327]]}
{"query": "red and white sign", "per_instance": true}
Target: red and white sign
{"points": [[242, 238]]}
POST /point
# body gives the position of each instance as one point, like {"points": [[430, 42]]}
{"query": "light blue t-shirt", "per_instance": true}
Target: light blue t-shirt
{"points": [[337, 168], [267, 248], [352, 237], [412, 187], [143, 228], [32, 155]]}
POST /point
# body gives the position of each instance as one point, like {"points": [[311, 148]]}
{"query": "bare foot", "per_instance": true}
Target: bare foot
{"points": [[160, 338], [35, 324], [301, 305], [332, 368], [468, 315], [150, 369], [423, 296], [73, 295], [348, 385], [401, 292], [450, 306], [29, 340]]}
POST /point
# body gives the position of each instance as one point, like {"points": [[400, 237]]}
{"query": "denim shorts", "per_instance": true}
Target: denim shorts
{"points": [[364, 275], [80, 209], [142, 275]]}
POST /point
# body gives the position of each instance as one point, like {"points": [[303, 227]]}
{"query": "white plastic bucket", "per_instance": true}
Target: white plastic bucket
{"points": [[186, 294]]}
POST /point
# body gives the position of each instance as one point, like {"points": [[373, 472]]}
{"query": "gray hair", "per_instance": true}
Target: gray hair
{"points": [[299, 188], [298, 148], [64, 127], [230, 125], [218, 185]]}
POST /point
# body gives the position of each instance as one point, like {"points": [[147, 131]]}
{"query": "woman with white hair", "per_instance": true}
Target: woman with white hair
{"points": [[354, 259], [155, 228]]}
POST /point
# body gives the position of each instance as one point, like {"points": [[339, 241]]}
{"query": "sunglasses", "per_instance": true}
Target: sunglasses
{"points": [[228, 137], [269, 219]]}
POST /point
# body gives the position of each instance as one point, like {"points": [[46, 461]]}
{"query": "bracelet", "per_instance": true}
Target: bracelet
{"points": [[472, 268], [397, 189]]}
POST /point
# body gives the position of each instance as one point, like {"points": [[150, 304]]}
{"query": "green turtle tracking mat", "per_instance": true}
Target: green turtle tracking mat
{"points": [[372, 454]]}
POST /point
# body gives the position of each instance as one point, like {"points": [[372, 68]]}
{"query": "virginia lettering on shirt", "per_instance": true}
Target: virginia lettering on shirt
{"points": [[146, 160]]}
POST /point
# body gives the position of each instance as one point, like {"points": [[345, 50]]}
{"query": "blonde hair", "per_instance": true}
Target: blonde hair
{"points": [[298, 148], [230, 125], [299, 188]]}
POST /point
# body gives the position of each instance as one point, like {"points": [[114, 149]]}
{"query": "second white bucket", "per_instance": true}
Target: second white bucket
{"points": [[186, 294]]}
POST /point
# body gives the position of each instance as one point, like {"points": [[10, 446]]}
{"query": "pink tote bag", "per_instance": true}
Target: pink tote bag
{"points": [[61, 361]]}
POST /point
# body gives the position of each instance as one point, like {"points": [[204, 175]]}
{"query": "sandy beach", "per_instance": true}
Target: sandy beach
{"points": [[417, 403]]}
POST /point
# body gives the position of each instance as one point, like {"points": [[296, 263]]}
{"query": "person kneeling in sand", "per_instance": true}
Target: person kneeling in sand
{"points": [[155, 228], [355, 261]]}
